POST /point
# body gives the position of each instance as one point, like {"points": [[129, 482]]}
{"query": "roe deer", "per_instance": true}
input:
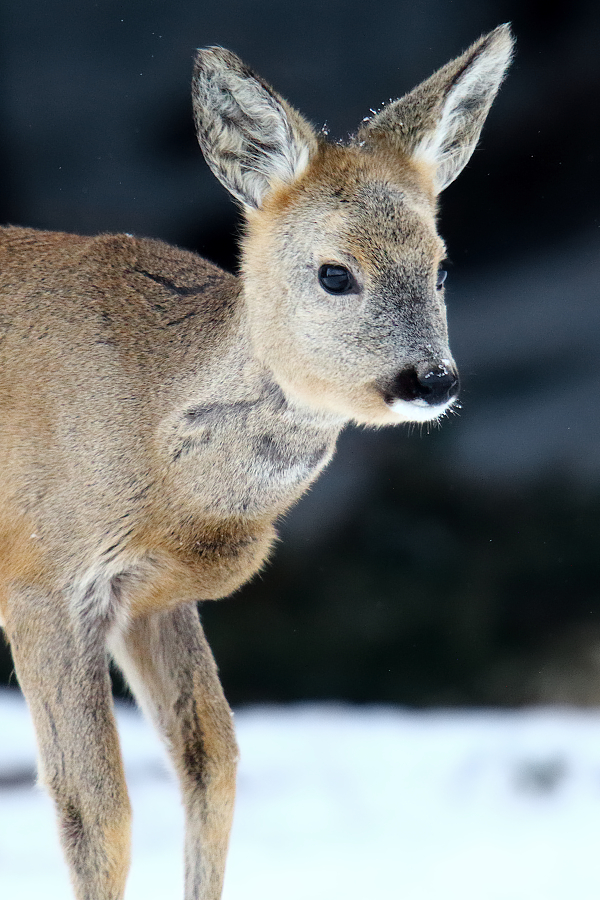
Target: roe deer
{"points": [[159, 415]]}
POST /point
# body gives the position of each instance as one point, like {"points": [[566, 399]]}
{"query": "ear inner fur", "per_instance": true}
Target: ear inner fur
{"points": [[250, 137]]}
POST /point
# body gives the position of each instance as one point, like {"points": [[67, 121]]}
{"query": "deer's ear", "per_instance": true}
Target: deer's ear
{"points": [[251, 138], [439, 122]]}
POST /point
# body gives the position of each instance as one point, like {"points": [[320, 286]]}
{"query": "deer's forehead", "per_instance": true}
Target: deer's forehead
{"points": [[383, 213], [373, 220]]}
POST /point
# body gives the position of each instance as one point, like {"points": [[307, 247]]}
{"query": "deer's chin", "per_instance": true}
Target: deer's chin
{"points": [[418, 410]]}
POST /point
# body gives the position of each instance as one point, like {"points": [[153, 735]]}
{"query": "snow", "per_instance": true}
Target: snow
{"points": [[339, 802]]}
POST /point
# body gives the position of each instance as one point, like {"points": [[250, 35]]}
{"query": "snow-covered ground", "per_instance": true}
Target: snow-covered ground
{"points": [[337, 803]]}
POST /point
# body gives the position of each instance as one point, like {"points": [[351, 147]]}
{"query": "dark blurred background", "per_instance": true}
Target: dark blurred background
{"points": [[459, 566]]}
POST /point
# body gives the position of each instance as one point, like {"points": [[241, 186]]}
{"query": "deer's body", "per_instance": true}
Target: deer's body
{"points": [[158, 415], [186, 447]]}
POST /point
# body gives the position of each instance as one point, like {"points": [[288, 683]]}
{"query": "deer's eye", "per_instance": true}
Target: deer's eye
{"points": [[335, 279], [441, 277]]}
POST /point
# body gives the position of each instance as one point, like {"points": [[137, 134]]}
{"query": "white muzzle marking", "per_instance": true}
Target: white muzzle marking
{"points": [[419, 410]]}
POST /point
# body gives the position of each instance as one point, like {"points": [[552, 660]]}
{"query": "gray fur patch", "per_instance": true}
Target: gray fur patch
{"points": [[283, 456]]}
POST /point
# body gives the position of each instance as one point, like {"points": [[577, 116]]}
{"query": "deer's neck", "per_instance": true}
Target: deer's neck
{"points": [[238, 446]]}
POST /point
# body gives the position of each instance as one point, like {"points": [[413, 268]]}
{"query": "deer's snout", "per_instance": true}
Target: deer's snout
{"points": [[434, 386], [424, 391]]}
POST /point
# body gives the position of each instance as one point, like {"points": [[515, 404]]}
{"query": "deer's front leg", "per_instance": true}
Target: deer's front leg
{"points": [[62, 667], [170, 667]]}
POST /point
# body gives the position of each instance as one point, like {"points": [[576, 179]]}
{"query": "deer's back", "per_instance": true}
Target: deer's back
{"points": [[109, 296]]}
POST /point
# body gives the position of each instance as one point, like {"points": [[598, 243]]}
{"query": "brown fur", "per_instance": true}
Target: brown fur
{"points": [[158, 416]]}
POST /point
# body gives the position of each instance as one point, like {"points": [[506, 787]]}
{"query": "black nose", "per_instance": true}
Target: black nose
{"points": [[435, 385]]}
